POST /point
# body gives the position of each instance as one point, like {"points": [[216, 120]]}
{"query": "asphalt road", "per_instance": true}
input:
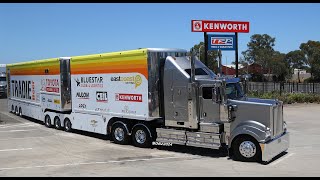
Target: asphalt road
{"points": [[28, 148]]}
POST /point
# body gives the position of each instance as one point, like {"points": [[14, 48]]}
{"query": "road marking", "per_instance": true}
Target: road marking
{"points": [[279, 160], [89, 163], [1, 150], [19, 130]]}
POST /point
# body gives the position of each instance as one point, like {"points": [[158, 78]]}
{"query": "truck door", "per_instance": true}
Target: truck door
{"points": [[209, 110]]}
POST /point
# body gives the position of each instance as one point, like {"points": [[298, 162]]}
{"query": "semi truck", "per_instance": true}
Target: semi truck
{"points": [[3, 80], [147, 96]]}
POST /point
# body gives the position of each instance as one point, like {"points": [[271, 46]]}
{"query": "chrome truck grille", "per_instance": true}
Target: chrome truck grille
{"points": [[277, 119]]}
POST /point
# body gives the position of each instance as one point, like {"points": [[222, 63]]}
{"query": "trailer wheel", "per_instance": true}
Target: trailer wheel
{"points": [[20, 112], [120, 134], [57, 123], [246, 148], [67, 125], [16, 111], [141, 136], [47, 121], [12, 109]]}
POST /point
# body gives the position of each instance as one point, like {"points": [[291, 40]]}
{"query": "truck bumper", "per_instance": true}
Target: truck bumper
{"points": [[274, 147]]}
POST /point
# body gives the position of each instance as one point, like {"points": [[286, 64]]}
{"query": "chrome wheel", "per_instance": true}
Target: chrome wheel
{"points": [[119, 134], [247, 149], [140, 136]]}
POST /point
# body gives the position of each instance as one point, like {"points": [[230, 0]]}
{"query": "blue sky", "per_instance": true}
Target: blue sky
{"points": [[36, 31]]}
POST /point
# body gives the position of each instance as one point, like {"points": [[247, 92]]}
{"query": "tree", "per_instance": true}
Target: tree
{"points": [[296, 60], [311, 50], [212, 56], [260, 51], [280, 67]]}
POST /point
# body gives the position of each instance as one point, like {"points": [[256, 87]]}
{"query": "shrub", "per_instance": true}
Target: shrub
{"points": [[288, 98]]}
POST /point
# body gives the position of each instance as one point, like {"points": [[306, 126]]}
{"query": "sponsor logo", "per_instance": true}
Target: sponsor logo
{"points": [[83, 106], [56, 101], [93, 123], [82, 95], [101, 109], [197, 25], [136, 80], [129, 97], [126, 110], [50, 85], [222, 41], [23, 89], [49, 100], [43, 99], [101, 96], [89, 82]]}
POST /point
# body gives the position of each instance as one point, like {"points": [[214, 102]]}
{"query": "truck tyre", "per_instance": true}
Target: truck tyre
{"points": [[20, 112], [67, 125], [47, 121], [141, 136], [16, 111], [247, 149], [120, 134], [12, 109], [57, 123]]}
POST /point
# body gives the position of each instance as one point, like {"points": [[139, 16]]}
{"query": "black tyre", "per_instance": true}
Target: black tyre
{"points": [[20, 112], [57, 123], [12, 109], [16, 111], [141, 136], [120, 134], [247, 149], [67, 125], [47, 121]]}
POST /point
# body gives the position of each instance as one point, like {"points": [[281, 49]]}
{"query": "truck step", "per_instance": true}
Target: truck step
{"points": [[182, 137]]}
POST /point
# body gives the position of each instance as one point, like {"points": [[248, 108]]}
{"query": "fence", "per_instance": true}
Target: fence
{"points": [[263, 87]]}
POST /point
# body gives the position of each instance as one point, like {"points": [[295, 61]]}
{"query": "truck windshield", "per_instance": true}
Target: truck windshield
{"points": [[2, 78], [199, 71], [234, 91]]}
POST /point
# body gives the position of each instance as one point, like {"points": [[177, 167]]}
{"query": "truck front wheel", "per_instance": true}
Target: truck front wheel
{"points": [[246, 148]]}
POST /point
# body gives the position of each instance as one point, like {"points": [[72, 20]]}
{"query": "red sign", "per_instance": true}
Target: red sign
{"points": [[52, 89], [219, 26], [129, 97]]}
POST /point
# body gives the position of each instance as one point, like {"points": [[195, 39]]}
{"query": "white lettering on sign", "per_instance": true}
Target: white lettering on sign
{"points": [[225, 26], [129, 97], [219, 26]]}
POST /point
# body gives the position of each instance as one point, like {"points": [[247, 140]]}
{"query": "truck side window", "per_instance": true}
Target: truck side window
{"points": [[207, 92]]}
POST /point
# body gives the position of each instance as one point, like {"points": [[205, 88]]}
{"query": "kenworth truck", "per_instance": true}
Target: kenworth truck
{"points": [[3, 81], [147, 96]]}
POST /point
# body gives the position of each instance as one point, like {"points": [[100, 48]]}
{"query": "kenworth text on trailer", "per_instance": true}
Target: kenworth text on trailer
{"points": [[148, 95]]}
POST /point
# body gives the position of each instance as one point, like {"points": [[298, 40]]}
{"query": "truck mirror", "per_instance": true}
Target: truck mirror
{"points": [[231, 112]]}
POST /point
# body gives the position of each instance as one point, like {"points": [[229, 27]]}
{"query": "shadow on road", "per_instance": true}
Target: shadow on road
{"points": [[206, 152]]}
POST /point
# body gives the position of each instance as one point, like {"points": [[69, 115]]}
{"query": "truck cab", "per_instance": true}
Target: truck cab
{"points": [[204, 110], [3, 85]]}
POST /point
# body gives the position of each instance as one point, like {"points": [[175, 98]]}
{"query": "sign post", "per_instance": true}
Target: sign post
{"points": [[225, 42]]}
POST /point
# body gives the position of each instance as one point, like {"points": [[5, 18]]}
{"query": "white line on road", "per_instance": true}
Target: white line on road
{"points": [[279, 160], [89, 163], [19, 130], [21, 149]]}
